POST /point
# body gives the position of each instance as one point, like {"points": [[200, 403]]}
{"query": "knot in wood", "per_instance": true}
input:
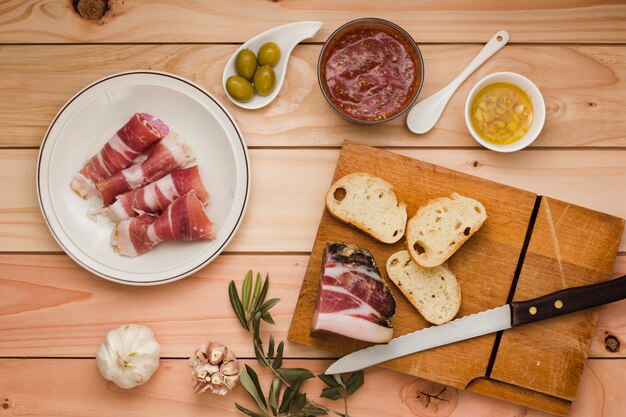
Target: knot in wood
{"points": [[6, 404], [429, 399], [612, 344], [91, 9]]}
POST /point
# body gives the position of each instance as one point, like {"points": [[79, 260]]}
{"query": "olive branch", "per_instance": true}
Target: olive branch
{"points": [[251, 309]]}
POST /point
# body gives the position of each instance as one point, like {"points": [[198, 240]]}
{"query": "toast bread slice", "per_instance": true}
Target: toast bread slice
{"points": [[369, 204], [439, 228], [435, 292]]}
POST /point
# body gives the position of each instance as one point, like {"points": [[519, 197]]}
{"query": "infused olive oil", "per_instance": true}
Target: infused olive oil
{"points": [[501, 113]]}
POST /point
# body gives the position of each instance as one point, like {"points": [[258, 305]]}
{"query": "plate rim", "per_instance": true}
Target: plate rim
{"points": [[246, 196]]}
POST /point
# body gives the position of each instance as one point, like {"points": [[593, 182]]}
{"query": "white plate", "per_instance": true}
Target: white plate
{"points": [[87, 121]]}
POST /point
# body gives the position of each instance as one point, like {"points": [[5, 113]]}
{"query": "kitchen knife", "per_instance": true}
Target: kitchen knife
{"points": [[500, 318]]}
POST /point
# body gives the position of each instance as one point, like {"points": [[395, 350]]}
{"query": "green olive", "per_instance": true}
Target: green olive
{"points": [[239, 88], [269, 54], [264, 80], [245, 64]]}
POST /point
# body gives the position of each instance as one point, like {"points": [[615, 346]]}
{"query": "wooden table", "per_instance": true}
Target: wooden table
{"points": [[54, 315]]}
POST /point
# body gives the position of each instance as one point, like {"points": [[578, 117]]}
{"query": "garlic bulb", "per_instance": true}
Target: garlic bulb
{"points": [[129, 355], [215, 368]]}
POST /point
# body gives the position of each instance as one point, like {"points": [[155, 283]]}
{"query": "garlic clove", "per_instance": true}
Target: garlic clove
{"points": [[230, 368], [217, 352], [210, 368], [231, 381], [217, 379]]}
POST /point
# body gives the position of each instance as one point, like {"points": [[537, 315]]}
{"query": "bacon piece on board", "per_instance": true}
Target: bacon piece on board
{"points": [[166, 156], [352, 299], [137, 135], [184, 219]]}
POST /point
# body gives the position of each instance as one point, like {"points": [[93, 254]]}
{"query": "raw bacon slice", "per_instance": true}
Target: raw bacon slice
{"points": [[184, 219], [352, 298], [156, 197], [141, 131], [166, 156]]}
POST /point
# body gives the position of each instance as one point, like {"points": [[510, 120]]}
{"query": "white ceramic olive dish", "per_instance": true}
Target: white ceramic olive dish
{"points": [[536, 99], [286, 37]]}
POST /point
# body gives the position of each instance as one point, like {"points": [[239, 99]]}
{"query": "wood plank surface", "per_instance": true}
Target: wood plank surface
{"points": [[53, 308], [582, 85], [288, 188], [53, 314], [73, 387], [46, 21]]}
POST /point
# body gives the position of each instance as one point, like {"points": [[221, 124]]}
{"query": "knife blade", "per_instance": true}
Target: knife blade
{"points": [[485, 322]]}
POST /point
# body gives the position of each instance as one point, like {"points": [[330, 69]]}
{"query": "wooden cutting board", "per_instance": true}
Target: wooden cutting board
{"points": [[530, 245]]}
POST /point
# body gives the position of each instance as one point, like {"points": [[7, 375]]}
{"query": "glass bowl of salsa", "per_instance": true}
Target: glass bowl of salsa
{"points": [[370, 70]]}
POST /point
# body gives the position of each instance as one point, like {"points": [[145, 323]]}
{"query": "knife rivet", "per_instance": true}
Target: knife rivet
{"points": [[558, 304], [532, 311]]}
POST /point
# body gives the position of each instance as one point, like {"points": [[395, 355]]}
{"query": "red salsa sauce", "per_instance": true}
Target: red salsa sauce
{"points": [[370, 74]]}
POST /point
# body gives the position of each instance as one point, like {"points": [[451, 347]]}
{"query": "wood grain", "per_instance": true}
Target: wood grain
{"points": [[44, 21], [168, 393], [288, 188], [582, 85], [53, 308], [569, 246]]}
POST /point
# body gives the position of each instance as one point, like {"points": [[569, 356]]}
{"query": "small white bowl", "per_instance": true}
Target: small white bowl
{"points": [[539, 109]]}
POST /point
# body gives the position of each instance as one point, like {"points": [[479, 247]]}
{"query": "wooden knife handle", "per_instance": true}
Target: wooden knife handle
{"points": [[568, 301]]}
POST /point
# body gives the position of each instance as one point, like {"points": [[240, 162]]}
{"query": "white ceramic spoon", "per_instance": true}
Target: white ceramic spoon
{"points": [[286, 37], [425, 114]]}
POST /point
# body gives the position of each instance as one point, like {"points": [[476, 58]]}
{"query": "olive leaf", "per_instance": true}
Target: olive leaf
{"points": [[278, 360], [298, 403], [235, 302], [291, 374], [354, 382], [248, 412], [289, 395], [257, 289], [313, 411], [267, 317], [269, 304], [261, 298], [332, 393], [250, 382], [246, 290], [270, 347], [275, 394], [328, 380]]}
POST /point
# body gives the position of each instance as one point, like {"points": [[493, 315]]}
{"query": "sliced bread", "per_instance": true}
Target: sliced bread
{"points": [[441, 227], [435, 292], [368, 203]]}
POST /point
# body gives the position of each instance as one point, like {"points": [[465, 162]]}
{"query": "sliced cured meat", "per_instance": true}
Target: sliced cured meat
{"points": [[352, 298], [156, 197], [184, 219], [141, 131], [166, 156]]}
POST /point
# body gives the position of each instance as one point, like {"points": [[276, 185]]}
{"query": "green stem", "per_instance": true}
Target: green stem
{"points": [[251, 329]]}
